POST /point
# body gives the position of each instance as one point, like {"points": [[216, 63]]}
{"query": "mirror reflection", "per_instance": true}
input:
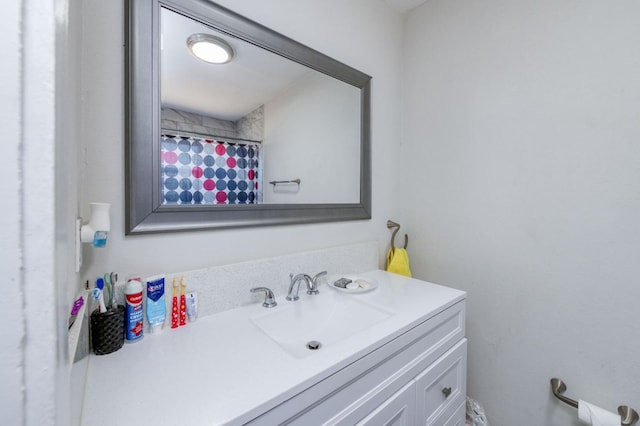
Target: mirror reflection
{"points": [[229, 129]]}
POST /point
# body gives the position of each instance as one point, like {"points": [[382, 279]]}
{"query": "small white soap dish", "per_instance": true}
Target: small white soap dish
{"points": [[356, 284]]}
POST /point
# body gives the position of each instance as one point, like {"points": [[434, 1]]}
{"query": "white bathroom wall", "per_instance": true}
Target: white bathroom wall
{"points": [[347, 31], [312, 122], [522, 125], [69, 153], [34, 372], [11, 310]]}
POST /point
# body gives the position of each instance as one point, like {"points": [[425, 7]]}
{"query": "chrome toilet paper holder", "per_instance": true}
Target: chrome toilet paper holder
{"points": [[628, 415]]}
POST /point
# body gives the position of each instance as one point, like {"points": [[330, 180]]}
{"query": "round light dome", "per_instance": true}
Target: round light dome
{"points": [[209, 48]]}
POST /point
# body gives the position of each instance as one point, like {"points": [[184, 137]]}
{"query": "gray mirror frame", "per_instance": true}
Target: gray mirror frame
{"points": [[144, 212]]}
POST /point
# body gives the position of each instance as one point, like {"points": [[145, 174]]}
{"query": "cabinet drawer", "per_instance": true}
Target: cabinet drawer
{"points": [[399, 410], [442, 387], [457, 419]]}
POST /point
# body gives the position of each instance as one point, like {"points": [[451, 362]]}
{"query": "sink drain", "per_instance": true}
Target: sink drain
{"points": [[313, 345]]}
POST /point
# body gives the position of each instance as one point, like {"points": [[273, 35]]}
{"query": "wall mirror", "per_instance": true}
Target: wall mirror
{"points": [[275, 134]]}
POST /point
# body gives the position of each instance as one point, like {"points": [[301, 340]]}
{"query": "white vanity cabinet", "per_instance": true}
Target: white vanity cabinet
{"points": [[418, 378], [408, 368]]}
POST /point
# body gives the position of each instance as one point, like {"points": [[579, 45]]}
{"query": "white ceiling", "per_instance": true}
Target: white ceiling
{"points": [[404, 5], [228, 91]]}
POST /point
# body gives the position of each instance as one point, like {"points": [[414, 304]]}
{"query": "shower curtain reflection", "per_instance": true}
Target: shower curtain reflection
{"points": [[209, 171]]}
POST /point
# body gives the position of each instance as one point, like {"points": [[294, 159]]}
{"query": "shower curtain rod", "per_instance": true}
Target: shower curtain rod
{"points": [[203, 135]]}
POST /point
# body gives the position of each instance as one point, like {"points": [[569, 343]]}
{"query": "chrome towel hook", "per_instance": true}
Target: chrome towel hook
{"points": [[391, 224]]}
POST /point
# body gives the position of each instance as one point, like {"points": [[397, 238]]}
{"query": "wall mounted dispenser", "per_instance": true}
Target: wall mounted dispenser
{"points": [[95, 231]]}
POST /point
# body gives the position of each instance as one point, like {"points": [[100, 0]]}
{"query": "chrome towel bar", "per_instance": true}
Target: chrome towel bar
{"points": [[276, 182], [628, 415]]}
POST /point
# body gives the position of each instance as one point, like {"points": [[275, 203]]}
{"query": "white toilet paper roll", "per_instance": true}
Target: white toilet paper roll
{"points": [[593, 415]]}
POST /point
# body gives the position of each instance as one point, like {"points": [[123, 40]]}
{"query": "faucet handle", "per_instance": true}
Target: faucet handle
{"points": [[269, 299], [318, 275], [313, 288]]}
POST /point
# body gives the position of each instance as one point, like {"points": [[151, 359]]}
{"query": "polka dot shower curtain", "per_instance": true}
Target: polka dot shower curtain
{"points": [[208, 171]]}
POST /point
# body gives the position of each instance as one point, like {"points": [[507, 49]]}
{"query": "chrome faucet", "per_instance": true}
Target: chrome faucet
{"points": [[269, 298], [294, 286], [292, 294]]}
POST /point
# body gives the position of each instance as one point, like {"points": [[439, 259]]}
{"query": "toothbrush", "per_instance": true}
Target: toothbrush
{"points": [[107, 281], [114, 280], [183, 304], [74, 311], [174, 305], [99, 295]]}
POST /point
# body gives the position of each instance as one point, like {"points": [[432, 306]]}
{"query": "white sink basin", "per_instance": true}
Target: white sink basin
{"points": [[325, 318]]}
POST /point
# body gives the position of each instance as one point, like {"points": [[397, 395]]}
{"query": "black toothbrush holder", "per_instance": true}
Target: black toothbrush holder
{"points": [[107, 330]]}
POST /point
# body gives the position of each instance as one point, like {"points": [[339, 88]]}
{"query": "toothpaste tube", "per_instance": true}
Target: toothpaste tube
{"points": [[156, 307]]}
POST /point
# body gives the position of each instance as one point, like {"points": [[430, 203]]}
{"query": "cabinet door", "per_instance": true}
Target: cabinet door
{"points": [[398, 410], [458, 418], [442, 387]]}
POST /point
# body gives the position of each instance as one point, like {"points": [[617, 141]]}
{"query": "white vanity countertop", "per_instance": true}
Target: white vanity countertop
{"points": [[222, 369]]}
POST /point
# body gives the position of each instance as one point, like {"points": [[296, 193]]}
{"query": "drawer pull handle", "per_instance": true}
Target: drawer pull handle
{"points": [[446, 392]]}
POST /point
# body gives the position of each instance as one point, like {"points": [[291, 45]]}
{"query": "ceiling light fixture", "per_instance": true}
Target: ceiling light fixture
{"points": [[209, 48]]}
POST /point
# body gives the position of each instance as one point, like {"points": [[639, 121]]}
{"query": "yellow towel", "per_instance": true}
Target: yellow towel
{"points": [[398, 262]]}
